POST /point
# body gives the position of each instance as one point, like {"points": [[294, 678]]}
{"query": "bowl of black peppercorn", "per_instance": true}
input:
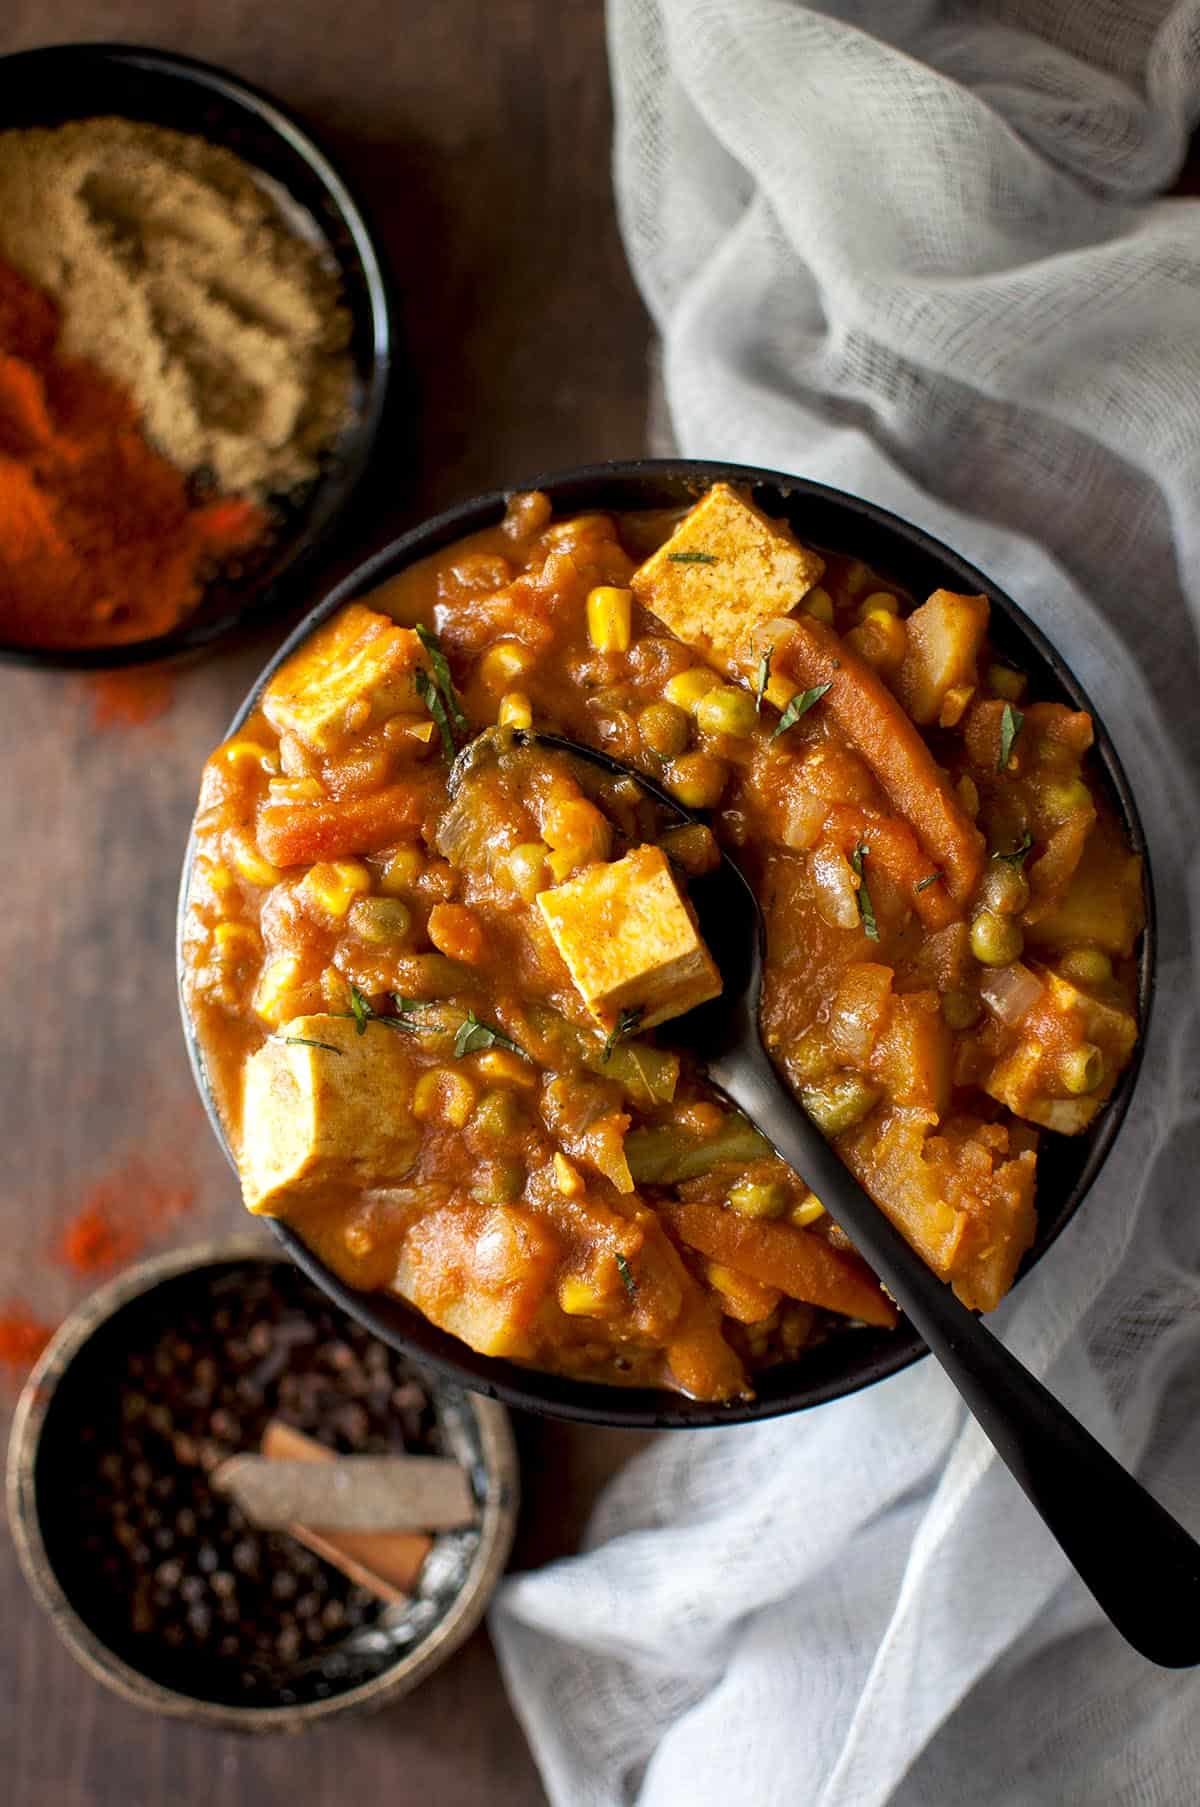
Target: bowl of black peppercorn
{"points": [[158, 1583]]}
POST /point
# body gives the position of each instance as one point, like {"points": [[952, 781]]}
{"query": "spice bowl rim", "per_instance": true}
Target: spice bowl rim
{"points": [[335, 490], [849, 1361], [497, 1522]]}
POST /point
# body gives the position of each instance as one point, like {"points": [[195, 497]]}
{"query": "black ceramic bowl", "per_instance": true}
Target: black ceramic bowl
{"points": [[80, 81], [1067, 1165]]}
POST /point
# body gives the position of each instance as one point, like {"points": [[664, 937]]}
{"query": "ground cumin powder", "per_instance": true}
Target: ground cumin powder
{"points": [[181, 278]]}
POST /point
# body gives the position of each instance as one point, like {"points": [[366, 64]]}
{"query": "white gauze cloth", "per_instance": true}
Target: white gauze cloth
{"points": [[915, 251]]}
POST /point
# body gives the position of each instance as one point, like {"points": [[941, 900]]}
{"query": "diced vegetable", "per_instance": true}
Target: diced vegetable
{"points": [[667, 1155], [776, 1254], [299, 834], [944, 638], [866, 714], [838, 1103]]}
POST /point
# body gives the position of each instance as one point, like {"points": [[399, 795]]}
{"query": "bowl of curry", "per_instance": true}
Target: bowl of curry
{"points": [[435, 977]]}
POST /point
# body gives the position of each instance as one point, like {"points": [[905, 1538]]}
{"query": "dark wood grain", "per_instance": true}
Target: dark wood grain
{"points": [[478, 133]]}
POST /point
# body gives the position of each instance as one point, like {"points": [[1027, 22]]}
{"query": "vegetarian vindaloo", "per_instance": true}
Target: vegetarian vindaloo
{"points": [[440, 1020]]}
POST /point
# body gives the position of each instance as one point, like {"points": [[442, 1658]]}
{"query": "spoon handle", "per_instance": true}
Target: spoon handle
{"points": [[1141, 1565]]}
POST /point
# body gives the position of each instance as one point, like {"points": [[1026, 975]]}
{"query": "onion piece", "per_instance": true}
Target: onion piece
{"points": [[1010, 992], [833, 880], [803, 818]]}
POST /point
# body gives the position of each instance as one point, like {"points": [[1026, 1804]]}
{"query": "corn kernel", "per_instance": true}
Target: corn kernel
{"points": [[610, 619], [578, 1297], [296, 790], [402, 729], [954, 705], [218, 878], [402, 871], [444, 1094], [819, 604], [249, 862], [276, 990], [500, 1066], [516, 711], [567, 1177], [237, 940], [879, 602], [1004, 681], [807, 1211], [248, 752], [527, 870], [968, 794], [501, 663], [881, 639], [358, 1239], [687, 687], [333, 885], [741, 1297]]}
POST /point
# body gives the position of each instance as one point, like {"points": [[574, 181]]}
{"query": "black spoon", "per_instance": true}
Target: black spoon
{"points": [[1141, 1565]]}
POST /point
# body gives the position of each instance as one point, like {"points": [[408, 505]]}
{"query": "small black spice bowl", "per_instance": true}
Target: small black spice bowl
{"points": [[157, 1584]]}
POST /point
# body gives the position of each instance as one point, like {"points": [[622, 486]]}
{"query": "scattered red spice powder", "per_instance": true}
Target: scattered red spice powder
{"points": [[128, 699], [22, 1336], [119, 1214]]}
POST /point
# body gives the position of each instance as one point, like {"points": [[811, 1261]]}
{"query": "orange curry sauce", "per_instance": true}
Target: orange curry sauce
{"points": [[401, 1042]]}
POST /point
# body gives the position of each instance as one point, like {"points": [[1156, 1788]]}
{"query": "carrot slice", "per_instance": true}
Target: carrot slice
{"points": [[802, 1265], [296, 834], [868, 716]]}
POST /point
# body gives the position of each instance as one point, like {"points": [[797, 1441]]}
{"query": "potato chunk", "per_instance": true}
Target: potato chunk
{"points": [[944, 637], [1029, 1079], [726, 566], [356, 671], [628, 939], [324, 1110]]}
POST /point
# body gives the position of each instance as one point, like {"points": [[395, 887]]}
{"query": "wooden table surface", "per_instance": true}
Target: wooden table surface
{"points": [[478, 132]]}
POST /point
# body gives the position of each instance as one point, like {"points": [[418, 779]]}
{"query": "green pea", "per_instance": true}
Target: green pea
{"points": [[839, 1103], [726, 710], [996, 940], [1005, 888], [664, 728], [381, 919]]}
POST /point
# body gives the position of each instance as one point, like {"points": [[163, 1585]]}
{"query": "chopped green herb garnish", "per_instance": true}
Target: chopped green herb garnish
{"points": [[306, 1041], [692, 558], [363, 1012], [474, 1036], [627, 1279], [627, 1024], [1011, 722], [1019, 853], [404, 1018], [923, 884], [762, 679], [431, 696], [441, 672], [866, 908], [799, 705]]}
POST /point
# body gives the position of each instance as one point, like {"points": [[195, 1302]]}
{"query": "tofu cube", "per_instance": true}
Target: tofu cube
{"points": [[726, 567], [325, 1111], [356, 671], [628, 939]]}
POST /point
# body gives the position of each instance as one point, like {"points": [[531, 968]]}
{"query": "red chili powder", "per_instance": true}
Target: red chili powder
{"points": [[118, 1215], [22, 1336], [128, 699]]}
